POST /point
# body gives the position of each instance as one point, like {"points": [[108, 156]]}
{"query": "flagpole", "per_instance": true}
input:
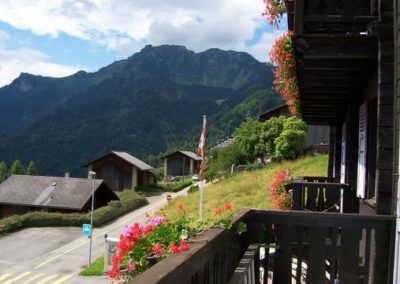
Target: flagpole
{"points": [[202, 142]]}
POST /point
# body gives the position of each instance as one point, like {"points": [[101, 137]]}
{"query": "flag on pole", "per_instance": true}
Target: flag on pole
{"points": [[201, 149]]}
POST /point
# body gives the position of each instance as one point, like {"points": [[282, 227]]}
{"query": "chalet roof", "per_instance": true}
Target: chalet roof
{"points": [[127, 158], [50, 192], [189, 154], [276, 111]]}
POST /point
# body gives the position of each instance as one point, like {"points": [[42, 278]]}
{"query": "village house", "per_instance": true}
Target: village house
{"points": [[23, 193], [121, 170], [347, 56], [181, 163]]}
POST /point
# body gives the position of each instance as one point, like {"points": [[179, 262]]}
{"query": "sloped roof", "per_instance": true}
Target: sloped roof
{"points": [[281, 109], [128, 158], [50, 192], [189, 154]]}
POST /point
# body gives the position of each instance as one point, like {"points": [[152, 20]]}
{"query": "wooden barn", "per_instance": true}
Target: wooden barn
{"points": [[22, 193], [181, 163], [316, 135], [120, 171], [343, 227]]}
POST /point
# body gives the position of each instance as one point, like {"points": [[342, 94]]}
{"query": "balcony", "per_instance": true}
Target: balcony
{"points": [[297, 247], [322, 194], [335, 54], [330, 16]]}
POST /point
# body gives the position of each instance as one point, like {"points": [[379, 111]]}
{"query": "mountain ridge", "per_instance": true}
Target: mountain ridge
{"points": [[146, 104]]}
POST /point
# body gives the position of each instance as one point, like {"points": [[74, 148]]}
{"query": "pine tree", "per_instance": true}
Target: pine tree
{"points": [[3, 171], [17, 168], [31, 170]]}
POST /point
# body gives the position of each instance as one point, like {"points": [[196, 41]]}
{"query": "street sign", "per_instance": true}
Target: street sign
{"points": [[86, 230]]}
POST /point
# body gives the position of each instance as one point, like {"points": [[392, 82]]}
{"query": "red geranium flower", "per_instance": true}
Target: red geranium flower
{"points": [[173, 248], [183, 246], [228, 207], [180, 207], [217, 212]]}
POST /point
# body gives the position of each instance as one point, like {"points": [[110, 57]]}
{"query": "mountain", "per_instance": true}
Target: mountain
{"points": [[149, 103]]}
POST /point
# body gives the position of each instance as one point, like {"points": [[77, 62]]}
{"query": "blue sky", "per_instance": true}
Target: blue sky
{"points": [[58, 38]]}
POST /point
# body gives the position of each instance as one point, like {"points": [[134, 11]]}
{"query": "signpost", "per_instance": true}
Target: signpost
{"points": [[86, 230]]}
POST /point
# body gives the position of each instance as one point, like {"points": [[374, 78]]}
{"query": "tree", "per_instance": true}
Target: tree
{"points": [[3, 171], [290, 142], [17, 168], [279, 138], [271, 129], [31, 170], [247, 137]]}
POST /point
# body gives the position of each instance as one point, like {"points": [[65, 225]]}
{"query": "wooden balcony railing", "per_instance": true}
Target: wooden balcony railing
{"points": [[300, 247], [331, 16], [322, 194]]}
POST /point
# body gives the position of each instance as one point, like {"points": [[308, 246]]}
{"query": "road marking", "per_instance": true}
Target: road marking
{"points": [[63, 279], [47, 279], [30, 280], [17, 278], [4, 276], [99, 234]]}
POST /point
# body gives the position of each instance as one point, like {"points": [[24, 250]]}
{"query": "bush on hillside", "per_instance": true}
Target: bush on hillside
{"points": [[193, 188], [173, 186], [277, 138], [223, 159]]}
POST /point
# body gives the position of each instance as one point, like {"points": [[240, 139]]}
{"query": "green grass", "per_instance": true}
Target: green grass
{"points": [[95, 269], [247, 189]]}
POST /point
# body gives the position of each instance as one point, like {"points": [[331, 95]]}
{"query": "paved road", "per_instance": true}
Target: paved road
{"points": [[56, 255]]}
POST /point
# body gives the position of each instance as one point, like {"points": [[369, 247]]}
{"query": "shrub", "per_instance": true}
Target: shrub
{"points": [[289, 145], [173, 186], [129, 201], [271, 130], [193, 188]]}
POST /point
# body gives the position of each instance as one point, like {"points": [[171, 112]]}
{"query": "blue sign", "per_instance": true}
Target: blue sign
{"points": [[86, 230]]}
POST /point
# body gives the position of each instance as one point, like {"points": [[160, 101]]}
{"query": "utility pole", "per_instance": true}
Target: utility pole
{"points": [[92, 175]]}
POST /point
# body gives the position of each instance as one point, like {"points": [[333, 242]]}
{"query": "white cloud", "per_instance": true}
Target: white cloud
{"points": [[127, 25], [12, 63], [261, 49]]}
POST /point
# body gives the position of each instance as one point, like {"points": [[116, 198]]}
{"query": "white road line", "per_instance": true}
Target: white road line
{"points": [[17, 278], [30, 280], [63, 279], [4, 276], [47, 279]]}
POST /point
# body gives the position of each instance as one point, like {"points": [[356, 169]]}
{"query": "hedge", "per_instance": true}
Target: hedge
{"points": [[174, 186], [129, 201]]}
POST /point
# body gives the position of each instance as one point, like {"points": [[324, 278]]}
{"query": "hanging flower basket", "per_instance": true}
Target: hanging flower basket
{"points": [[274, 10], [285, 83]]}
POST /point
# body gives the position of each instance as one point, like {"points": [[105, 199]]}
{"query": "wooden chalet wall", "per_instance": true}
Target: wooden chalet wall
{"points": [[384, 161], [396, 102], [116, 173], [178, 164]]}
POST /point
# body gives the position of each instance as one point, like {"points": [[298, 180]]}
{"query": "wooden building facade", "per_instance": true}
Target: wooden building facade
{"points": [[120, 171], [181, 163]]}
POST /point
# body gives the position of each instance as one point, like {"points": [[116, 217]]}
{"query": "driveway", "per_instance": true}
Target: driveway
{"points": [[56, 255]]}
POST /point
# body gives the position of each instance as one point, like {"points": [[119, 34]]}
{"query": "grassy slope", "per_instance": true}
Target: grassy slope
{"points": [[248, 189]]}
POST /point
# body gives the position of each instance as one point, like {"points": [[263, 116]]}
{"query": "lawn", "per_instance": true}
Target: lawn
{"points": [[247, 189], [95, 269]]}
